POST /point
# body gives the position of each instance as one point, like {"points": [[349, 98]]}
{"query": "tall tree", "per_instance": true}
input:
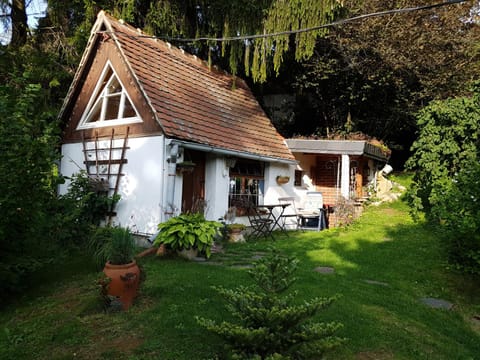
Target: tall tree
{"points": [[15, 15], [219, 19], [436, 49], [378, 72], [19, 23]]}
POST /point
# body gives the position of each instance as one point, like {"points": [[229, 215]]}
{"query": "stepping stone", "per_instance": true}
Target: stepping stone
{"points": [[213, 263], [375, 282], [199, 259], [217, 249], [257, 257], [437, 303], [325, 270]]}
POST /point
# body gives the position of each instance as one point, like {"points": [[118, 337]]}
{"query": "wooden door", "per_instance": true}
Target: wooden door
{"points": [[193, 188]]}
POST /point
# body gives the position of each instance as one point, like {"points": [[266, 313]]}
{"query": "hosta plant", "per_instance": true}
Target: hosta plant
{"points": [[188, 231]]}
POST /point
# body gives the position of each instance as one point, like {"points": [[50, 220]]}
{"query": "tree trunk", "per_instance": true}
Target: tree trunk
{"points": [[19, 23]]}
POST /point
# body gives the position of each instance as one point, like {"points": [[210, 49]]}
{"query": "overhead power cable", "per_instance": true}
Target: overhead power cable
{"points": [[313, 28]]}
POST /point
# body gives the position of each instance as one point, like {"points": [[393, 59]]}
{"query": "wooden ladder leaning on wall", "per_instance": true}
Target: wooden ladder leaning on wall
{"points": [[104, 163]]}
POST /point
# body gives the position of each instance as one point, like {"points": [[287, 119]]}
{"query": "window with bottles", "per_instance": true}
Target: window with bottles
{"points": [[246, 184]]}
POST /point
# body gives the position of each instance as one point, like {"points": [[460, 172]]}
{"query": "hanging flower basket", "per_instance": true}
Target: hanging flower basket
{"points": [[185, 167], [282, 179]]}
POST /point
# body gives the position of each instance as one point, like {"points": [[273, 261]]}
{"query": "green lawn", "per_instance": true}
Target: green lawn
{"points": [[384, 264]]}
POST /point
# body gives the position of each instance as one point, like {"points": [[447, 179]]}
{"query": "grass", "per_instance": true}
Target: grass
{"points": [[384, 264]]}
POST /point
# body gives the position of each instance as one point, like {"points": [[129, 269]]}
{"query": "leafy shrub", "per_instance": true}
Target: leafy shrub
{"points": [[13, 271], [459, 214], [447, 142], [445, 185], [27, 155], [188, 231], [28, 138], [80, 211], [270, 325]]}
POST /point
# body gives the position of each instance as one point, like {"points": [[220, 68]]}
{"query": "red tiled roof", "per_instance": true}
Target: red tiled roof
{"points": [[194, 102]]}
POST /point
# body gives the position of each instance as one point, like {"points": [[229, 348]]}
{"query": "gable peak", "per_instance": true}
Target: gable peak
{"points": [[109, 104]]}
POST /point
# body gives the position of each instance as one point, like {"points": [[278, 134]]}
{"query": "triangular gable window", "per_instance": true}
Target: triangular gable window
{"points": [[110, 104]]}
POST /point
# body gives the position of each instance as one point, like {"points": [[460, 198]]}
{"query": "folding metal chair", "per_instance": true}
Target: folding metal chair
{"points": [[260, 223]]}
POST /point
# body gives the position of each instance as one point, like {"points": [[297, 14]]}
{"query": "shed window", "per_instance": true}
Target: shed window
{"points": [[298, 178], [246, 184], [110, 104]]}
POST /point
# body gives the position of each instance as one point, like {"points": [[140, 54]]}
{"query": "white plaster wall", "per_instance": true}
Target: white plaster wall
{"points": [[177, 193], [273, 190], [306, 161], [216, 186], [140, 207], [71, 163], [145, 188]]}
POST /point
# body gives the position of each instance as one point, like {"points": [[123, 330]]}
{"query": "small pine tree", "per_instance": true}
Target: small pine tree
{"points": [[270, 326]]}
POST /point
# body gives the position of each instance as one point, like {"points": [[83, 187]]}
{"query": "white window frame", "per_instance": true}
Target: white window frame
{"points": [[102, 95]]}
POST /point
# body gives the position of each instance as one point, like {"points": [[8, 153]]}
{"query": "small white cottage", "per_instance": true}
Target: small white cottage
{"points": [[165, 131]]}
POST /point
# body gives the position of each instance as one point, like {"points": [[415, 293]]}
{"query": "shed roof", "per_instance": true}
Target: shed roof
{"points": [[337, 147], [191, 101]]}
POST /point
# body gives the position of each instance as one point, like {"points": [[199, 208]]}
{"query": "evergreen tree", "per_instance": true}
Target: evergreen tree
{"points": [[270, 325]]}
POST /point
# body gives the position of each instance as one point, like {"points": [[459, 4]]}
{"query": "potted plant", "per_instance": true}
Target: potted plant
{"points": [[187, 234], [115, 248], [235, 232]]}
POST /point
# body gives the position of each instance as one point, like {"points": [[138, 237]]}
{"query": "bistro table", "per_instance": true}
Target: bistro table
{"points": [[275, 217]]}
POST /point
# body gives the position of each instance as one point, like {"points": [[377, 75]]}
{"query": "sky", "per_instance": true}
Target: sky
{"points": [[35, 10]]}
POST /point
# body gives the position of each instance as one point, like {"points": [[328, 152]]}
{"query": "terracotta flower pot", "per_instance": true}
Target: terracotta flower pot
{"points": [[124, 282], [235, 235]]}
